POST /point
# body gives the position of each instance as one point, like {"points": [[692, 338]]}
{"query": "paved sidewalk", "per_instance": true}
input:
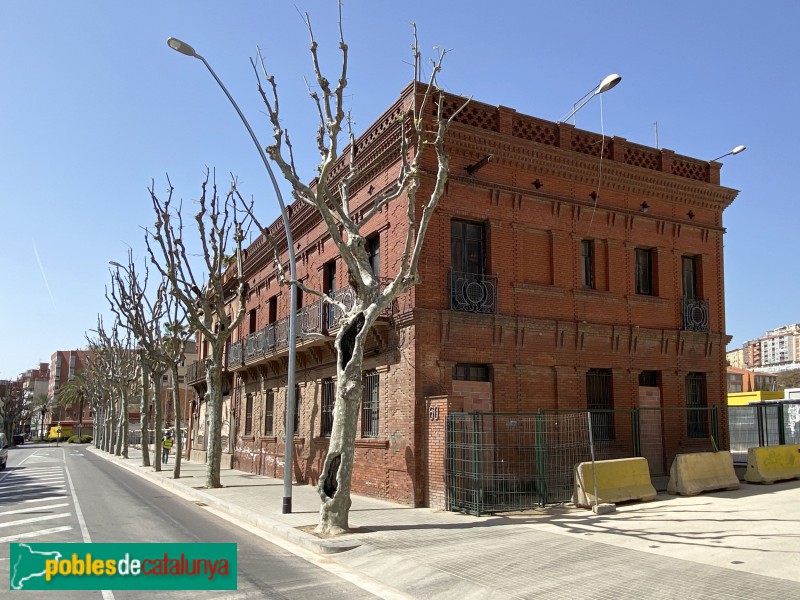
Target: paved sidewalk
{"points": [[736, 544]]}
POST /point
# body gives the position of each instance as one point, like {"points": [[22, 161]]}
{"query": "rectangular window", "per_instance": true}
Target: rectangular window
{"points": [[328, 400], [370, 415], [296, 409], [329, 287], [587, 260], [649, 378], [273, 309], [252, 321], [374, 254], [600, 402], [689, 277], [696, 405], [644, 271], [269, 413], [248, 415], [467, 247], [471, 372]]}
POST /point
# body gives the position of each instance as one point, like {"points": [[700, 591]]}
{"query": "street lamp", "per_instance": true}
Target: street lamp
{"points": [[186, 49], [734, 151], [606, 84]]}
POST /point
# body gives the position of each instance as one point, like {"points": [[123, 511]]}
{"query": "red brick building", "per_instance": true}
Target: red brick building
{"points": [[562, 269], [64, 364]]}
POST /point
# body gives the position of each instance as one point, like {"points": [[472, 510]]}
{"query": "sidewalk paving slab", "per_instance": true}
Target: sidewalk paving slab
{"points": [[737, 544]]}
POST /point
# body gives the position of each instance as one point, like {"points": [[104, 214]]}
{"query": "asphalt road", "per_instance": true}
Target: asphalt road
{"points": [[65, 494]]}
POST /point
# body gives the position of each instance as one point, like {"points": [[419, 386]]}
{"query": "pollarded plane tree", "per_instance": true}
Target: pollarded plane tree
{"points": [[210, 289], [112, 372], [423, 127], [142, 314]]}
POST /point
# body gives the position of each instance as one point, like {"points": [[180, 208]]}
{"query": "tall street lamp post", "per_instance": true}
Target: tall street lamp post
{"points": [[186, 49]]}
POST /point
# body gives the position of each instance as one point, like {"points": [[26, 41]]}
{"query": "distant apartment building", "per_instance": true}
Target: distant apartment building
{"points": [[776, 350], [35, 384], [735, 358], [64, 364]]}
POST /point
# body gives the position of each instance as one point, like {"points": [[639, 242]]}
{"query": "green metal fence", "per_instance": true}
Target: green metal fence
{"points": [[762, 424], [499, 462]]}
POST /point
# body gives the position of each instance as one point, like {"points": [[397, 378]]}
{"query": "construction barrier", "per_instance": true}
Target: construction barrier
{"points": [[773, 463], [618, 480], [691, 474]]}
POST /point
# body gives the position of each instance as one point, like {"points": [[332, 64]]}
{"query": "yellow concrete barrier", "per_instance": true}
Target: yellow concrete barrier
{"points": [[617, 481], [773, 463], [698, 472]]}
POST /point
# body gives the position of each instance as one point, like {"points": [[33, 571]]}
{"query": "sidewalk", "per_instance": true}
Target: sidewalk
{"points": [[737, 544]]}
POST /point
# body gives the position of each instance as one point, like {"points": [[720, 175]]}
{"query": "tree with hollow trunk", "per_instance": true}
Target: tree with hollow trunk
{"points": [[214, 302], [423, 128]]}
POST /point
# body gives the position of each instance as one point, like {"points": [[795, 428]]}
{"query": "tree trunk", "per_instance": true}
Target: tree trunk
{"points": [[176, 395], [337, 470], [143, 408], [157, 418], [214, 408], [122, 421]]}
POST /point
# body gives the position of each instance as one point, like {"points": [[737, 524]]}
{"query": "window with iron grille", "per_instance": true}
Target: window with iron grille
{"points": [[587, 259], [248, 415], [370, 416], [328, 400], [644, 271], [471, 372], [296, 409], [696, 406], [269, 413], [600, 401]]}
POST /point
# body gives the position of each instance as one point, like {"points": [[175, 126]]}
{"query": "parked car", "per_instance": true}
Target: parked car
{"points": [[18, 438], [3, 450]]}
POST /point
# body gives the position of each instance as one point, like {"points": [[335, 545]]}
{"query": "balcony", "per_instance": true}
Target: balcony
{"points": [[195, 372], [471, 292], [694, 314], [314, 322]]}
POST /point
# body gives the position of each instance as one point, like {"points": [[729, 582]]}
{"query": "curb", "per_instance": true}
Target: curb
{"points": [[271, 526]]}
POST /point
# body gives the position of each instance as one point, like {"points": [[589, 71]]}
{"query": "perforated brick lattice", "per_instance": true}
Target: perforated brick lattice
{"points": [[543, 133], [641, 158]]}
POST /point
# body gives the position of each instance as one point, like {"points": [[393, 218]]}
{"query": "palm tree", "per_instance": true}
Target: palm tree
{"points": [[41, 403], [75, 391]]}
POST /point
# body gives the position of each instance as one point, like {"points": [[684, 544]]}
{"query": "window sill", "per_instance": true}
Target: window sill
{"points": [[592, 294], [270, 439], [646, 300], [372, 443], [248, 438]]}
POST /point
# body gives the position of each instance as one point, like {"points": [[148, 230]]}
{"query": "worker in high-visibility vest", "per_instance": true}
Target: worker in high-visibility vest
{"points": [[166, 444]]}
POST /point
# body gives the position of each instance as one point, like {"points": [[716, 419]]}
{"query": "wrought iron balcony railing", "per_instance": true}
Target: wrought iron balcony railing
{"points": [[694, 314], [470, 292], [235, 355], [195, 372]]}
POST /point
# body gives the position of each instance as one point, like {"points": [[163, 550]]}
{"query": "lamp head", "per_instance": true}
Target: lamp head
{"points": [[738, 149], [181, 47], [608, 82]]}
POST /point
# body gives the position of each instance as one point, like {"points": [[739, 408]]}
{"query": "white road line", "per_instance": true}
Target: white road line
{"points": [[50, 487], [32, 508], [31, 534], [38, 482], [46, 498], [107, 594], [35, 519]]}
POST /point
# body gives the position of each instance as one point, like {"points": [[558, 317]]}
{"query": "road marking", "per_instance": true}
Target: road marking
{"points": [[44, 481], [17, 492], [32, 508], [35, 519], [107, 594], [30, 534], [46, 498]]}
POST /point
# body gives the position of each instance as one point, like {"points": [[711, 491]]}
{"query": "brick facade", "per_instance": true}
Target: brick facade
{"points": [[540, 205]]}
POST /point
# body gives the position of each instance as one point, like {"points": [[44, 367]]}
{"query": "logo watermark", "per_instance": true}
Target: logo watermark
{"points": [[171, 566]]}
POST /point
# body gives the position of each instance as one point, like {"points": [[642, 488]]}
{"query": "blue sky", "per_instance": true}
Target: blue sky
{"points": [[94, 106]]}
